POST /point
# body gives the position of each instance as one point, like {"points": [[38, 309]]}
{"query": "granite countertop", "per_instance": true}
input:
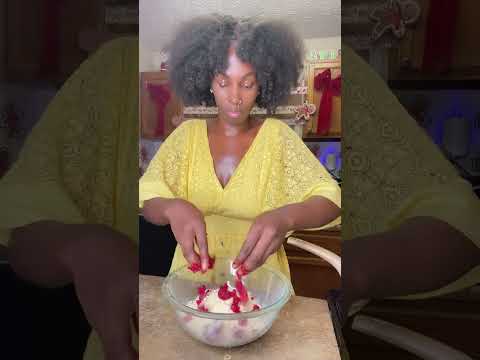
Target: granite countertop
{"points": [[303, 331]]}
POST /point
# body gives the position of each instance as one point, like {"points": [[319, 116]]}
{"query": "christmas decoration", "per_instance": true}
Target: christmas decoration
{"points": [[161, 95], [330, 87], [394, 15], [304, 111], [320, 55]]}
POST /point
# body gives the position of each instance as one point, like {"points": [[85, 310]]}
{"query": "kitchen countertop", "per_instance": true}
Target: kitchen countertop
{"points": [[302, 331]]}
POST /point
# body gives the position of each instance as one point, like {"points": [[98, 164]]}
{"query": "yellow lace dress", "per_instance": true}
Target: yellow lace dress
{"points": [[278, 169], [392, 170], [80, 162]]}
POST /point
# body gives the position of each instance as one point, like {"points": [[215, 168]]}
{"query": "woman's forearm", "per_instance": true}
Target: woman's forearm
{"points": [[50, 253], [155, 210], [423, 254], [37, 253], [311, 213]]}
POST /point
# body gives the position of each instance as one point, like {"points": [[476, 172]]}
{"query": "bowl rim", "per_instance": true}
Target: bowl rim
{"points": [[288, 292]]}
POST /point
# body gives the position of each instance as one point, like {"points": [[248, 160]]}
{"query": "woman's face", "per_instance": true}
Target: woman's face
{"points": [[235, 90]]}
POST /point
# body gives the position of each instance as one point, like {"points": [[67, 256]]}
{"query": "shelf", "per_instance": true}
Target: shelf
{"points": [[314, 138], [466, 78], [434, 84]]}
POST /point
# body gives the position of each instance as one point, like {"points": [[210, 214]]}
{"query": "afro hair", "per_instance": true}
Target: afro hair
{"points": [[199, 51]]}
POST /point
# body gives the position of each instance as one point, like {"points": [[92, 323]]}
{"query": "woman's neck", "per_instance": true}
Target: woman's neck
{"points": [[228, 129]]}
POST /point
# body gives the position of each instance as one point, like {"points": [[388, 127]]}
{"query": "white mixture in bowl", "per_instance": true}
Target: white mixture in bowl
{"points": [[227, 300]]}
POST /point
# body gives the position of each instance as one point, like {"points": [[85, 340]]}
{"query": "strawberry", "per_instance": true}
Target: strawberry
{"points": [[202, 293], [202, 290], [211, 262], [195, 267], [224, 294], [202, 308], [241, 272], [235, 307], [242, 291]]}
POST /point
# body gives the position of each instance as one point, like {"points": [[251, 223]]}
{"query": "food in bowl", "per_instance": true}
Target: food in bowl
{"points": [[225, 300], [214, 308]]}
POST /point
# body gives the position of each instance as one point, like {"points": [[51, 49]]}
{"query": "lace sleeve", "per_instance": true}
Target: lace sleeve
{"points": [[67, 169], [305, 176], [167, 173], [392, 170]]}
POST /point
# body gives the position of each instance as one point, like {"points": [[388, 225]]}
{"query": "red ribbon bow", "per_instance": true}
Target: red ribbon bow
{"points": [[161, 95], [323, 81]]}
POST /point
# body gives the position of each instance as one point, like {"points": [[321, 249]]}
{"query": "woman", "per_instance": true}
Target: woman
{"points": [[234, 186]]}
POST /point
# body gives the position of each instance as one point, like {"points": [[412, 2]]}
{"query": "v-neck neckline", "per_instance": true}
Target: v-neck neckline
{"points": [[242, 160]]}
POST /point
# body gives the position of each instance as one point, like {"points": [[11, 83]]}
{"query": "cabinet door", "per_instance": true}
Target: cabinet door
{"points": [[466, 49]]}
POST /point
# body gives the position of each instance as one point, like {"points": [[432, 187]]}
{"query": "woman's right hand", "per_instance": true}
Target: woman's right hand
{"points": [[188, 226]]}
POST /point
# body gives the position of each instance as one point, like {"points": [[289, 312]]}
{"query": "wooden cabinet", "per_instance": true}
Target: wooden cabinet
{"points": [[404, 59], [467, 34], [312, 276], [461, 62]]}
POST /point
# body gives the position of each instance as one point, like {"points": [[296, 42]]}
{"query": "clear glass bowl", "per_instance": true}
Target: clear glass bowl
{"points": [[270, 288]]}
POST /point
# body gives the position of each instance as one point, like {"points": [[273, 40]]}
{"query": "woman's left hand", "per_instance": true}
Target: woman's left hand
{"points": [[264, 238]]}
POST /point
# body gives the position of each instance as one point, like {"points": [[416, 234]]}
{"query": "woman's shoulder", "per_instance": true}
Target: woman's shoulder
{"points": [[189, 124], [280, 128], [186, 130], [118, 48]]}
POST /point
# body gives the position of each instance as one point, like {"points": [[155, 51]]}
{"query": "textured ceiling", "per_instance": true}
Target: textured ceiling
{"points": [[311, 18]]}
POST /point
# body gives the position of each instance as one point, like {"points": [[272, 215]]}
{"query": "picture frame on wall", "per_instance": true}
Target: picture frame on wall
{"points": [[160, 109], [330, 73]]}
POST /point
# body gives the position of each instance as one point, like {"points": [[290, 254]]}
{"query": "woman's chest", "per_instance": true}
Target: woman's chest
{"points": [[230, 181], [226, 156]]}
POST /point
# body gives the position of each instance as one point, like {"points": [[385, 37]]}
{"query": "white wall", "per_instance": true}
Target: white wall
{"points": [[318, 20], [327, 43]]}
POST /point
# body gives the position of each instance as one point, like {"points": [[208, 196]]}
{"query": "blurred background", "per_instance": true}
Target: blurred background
{"points": [[41, 45], [427, 52]]}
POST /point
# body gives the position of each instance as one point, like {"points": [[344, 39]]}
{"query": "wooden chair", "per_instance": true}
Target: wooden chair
{"points": [[411, 341]]}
